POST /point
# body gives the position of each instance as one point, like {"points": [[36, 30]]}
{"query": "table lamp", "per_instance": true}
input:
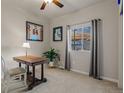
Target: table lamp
{"points": [[26, 45]]}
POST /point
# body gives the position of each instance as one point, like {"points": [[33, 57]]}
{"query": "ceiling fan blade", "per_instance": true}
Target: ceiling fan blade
{"points": [[58, 3], [43, 6]]}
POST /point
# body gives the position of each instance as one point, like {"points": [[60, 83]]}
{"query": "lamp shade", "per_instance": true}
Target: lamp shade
{"points": [[26, 45]]}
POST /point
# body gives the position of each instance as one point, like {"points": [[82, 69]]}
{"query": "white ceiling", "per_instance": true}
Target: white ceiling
{"points": [[51, 10]]}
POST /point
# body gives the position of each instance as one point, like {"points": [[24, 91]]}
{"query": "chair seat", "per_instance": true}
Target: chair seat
{"points": [[16, 71]]}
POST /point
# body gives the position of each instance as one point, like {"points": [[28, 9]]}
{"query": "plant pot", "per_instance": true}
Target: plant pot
{"points": [[51, 64]]}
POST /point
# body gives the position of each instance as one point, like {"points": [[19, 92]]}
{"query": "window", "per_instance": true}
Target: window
{"points": [[80, 37]]}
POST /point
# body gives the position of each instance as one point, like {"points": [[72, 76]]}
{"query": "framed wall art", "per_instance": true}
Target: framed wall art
{"points": [[57, 33], [34, 32], [120, 3]]}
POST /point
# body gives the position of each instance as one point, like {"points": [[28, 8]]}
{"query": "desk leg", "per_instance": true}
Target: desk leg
{"points": [[27, 69], [42, 74], [19, 64], [33, 72], [33, 79]]}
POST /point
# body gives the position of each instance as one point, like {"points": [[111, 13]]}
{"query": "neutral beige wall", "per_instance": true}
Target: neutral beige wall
{"points": [[120, 60], [14, 33], [107, 11]]}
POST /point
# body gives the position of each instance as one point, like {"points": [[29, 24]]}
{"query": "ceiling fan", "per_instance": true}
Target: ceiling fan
{"points": [[56, 2]]}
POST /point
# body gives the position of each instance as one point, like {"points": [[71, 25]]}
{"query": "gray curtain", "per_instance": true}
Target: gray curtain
{"points": [[67, 52], [95, 52]]}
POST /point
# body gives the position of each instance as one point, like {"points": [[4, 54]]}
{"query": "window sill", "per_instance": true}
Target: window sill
{"points": [[85, 51]]}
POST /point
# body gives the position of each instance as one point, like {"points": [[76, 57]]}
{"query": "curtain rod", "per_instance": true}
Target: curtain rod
{"points": [[83, 22]]}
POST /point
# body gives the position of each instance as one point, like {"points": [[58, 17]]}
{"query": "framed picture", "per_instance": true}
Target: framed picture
{"points": [[34, 32], [57, 33], [120, 3]]}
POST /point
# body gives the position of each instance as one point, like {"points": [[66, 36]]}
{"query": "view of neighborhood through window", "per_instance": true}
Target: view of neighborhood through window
{"points": [[80, 36]]}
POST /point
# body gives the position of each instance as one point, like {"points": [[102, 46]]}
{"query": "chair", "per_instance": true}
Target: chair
{"points": [[15, 77]]}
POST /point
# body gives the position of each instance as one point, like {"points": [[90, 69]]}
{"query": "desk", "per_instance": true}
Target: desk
{"points": [[32, 61]]}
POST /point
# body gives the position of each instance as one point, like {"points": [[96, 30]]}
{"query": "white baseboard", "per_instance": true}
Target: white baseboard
{"points": [[81, 72], [104, 78], [110, 79]]}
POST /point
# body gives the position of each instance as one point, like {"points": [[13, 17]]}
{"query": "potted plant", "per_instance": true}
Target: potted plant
{"points": [[51, 54]]}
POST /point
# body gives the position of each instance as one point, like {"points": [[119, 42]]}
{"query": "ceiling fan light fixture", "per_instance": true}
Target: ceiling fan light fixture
{"points": [[56, 2], [48, 1]]}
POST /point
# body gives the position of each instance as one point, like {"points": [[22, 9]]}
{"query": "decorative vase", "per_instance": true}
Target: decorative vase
{"points": [[51, 64]]}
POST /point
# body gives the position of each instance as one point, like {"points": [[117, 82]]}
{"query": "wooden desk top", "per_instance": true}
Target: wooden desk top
{"points": [[30, 59]]}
